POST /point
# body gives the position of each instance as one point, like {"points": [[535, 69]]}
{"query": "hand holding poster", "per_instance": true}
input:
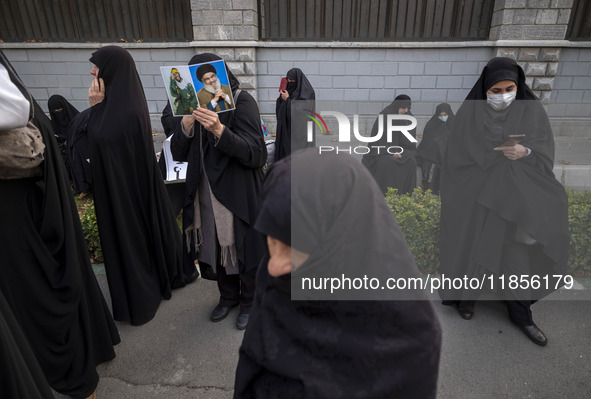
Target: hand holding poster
{"points": [[202, 85]]}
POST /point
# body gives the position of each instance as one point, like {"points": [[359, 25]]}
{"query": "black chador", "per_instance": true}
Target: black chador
{"points": [[140, 238], [390, 171]]}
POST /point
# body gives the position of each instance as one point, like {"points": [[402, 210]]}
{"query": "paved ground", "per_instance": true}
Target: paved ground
{"points": [[181, 354]]}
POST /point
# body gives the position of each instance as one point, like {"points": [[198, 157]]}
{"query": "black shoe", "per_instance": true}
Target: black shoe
{"points": [[534, 334], [192, 277], [219, 313], [242, 321], [208, 273], [466, 313]]}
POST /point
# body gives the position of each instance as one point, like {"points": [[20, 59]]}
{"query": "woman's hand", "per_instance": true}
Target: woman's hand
{"points": [[513, 152], [96, 92], [284, 95], [209, 120]]}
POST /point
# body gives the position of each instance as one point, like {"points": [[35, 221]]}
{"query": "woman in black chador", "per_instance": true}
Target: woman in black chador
{"points": [[397, 169], [47, 280], [226, 153], [338, 222], [502, 211], [62, 113], [140, 238], [431, 148], [293, 114]]}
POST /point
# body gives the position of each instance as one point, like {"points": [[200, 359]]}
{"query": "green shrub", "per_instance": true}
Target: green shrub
{"points": [[579, 220], [91, 234], [418, 217]]}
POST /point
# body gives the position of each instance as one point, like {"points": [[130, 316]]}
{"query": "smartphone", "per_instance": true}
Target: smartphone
{"points": [[513, 139], [283, 84]]}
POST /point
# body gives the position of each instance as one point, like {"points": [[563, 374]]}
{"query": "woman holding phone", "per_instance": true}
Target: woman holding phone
{"points": [[503, 213], [296, 97]]}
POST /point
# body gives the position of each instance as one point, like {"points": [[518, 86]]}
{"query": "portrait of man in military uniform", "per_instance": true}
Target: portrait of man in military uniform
{"points": [[182, 94]]}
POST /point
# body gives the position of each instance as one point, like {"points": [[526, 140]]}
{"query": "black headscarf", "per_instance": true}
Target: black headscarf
{"points": [[334, 349], [301, 89], [124, 94], [434, 139], [50, 285], [332, 221], [482, 192], [140, 239], [62, 113], [291, 114], [402, 101]]}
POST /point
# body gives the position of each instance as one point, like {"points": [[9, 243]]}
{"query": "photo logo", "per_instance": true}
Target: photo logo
{"points": [[344, 126], [317, 119]]}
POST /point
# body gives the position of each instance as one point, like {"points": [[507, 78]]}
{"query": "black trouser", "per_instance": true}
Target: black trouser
{"points": [[236, 288], [515, 261], [430, 173]]}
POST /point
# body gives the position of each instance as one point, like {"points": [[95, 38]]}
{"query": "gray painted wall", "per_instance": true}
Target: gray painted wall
{"points": [[429, 76], [374, 75], [571, 95]]}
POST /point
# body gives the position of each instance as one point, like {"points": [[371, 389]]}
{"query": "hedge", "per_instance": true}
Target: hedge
{"points": [[418, 216], [91, 234]]}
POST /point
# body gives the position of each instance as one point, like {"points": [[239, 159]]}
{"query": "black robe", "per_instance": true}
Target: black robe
{"points": [[79, 153], [398, 173], [21, 375], [292, 115], [233, 166], [47, 279], [484, 195], [431, 149], [140, 239], [335, 348]]}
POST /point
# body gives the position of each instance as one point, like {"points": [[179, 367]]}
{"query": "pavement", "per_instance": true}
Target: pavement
{"points": [[181, 354]]}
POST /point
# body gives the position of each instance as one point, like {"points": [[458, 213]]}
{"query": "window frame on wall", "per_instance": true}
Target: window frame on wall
{"points": [[375, 20], [95, 21]]}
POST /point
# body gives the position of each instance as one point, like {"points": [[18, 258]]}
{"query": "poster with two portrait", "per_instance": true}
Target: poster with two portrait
{"points": [[201, 85]]}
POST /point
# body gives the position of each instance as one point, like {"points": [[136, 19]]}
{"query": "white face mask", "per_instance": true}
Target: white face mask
{"points": [[501, 101], [443, 118]]}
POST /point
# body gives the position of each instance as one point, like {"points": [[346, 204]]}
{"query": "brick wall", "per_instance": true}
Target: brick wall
{"points": [[530, 19], [225, 19]]}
